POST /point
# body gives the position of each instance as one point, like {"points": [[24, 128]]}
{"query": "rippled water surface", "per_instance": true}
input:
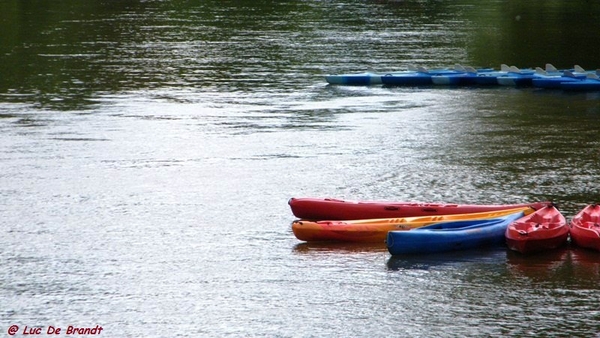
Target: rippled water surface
{"points": [[148, 150]]}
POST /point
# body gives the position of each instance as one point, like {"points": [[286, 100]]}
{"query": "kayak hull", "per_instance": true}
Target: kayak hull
{"points": [[552, 82], [581, 85], [359, 79], [465, 79], [411, 79]]}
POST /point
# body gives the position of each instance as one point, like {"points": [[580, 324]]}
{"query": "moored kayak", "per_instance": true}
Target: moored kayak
{"points": [[450, 236], [375, 230], [361, 79], [407, 79], [456, 79], [519, 78], [551, 79], [524, 78], [585, 228], [590, 83], [338, 209], [516, 80], [421, 77], [545, 229], [413, 75], [552, 82], [491, 78], [358, 79]]}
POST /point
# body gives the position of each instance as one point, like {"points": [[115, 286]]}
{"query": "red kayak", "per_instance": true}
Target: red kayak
{"points": [[336, 209], [585, 227], [544, 229]]}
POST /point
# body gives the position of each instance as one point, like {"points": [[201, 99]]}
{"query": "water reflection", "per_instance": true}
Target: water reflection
{"points": [[446, 260], [324, 248], [570, 267], [585, 265], [542, 266], [567, 264], [526, 34]]}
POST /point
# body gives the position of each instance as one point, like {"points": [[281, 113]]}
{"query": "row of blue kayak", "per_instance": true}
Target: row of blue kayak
{"points": [[574, 79]]}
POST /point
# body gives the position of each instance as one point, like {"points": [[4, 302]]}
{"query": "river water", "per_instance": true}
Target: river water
{"points": [[148, 150]]}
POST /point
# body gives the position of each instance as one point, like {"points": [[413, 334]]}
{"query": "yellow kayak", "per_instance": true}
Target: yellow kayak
{"points": [[375, 230]]}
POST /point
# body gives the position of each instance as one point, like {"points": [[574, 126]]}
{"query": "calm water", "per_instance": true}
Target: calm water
{"points": [[148, 150]]}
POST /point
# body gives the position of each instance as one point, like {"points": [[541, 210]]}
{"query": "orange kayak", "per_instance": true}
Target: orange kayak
{"points": [[545, 229], [375, 230], [336, 209], [585, 228]]}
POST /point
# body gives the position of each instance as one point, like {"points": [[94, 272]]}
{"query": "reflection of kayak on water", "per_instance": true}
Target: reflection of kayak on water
{"points": [[492, 255], [585, 266], [322, 248], [542, 265], [582, 256], [567, 263]]}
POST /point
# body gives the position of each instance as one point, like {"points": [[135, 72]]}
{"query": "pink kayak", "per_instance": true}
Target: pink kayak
{"points": [[337, 209]]}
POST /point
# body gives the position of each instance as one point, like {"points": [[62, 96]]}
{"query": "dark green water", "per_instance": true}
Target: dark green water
{"points": [[148, 150]]}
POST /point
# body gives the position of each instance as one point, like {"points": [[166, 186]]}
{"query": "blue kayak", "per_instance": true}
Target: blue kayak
{"points": [[520, 78], [414, 75], [491, 78], [466, 78], [420, 77], [360, 79], [450, 236], [551, 78], [463, 79], [409, 79], [590, 83], [517, 80], [553, 82]]}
